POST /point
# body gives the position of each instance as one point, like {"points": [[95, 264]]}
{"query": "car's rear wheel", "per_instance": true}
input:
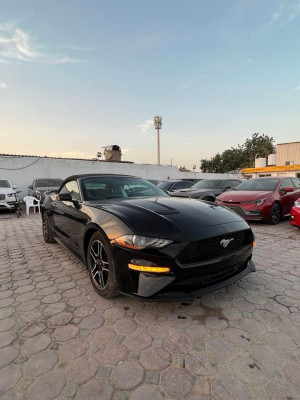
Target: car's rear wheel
{"points": [[101, 266], [47, 231], [275, 214]]}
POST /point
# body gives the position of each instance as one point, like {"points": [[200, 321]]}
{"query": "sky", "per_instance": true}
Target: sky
{"points": [[77, 75]]}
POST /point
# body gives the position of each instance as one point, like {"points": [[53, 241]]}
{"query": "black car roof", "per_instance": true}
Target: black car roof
{"points": [[75, 177]]}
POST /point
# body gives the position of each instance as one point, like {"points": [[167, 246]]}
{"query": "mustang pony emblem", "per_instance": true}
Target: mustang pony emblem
{"points": [[225, 242]]}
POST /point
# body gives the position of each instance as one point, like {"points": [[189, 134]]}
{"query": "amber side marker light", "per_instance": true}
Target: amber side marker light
{"points": [[254, 243], [144, 268]]}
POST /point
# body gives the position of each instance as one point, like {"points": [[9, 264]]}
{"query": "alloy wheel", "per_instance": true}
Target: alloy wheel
{"points": [[45, 228], [99, 264], [276, 214]]}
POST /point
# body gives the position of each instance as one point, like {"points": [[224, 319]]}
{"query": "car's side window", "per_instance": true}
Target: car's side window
{"points": [[232, 184], [296, 183], [235, 183], [72, 188], [286, 183], [181, 185]]}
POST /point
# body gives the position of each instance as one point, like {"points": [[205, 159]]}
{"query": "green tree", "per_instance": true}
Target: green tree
{"points": [[241, 157], [256, 147]]}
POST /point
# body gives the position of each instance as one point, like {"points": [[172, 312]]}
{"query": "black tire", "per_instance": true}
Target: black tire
{"points": [[47, 231], [101, 266], [275, 214]]}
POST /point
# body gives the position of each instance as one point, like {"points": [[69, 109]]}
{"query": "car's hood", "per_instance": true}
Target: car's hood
{"points": [[45, 189], [7, 190], [241, 195], [173, 218], [192, 192]]}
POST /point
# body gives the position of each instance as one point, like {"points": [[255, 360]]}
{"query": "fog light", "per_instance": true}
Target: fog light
{"points": [[147, 266], [292, 217]]}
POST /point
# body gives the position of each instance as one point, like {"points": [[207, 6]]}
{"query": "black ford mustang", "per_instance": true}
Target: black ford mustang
{"points": [[137, 240]]}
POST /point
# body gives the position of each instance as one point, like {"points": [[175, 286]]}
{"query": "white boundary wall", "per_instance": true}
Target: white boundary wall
{"points": [[22, 170]]}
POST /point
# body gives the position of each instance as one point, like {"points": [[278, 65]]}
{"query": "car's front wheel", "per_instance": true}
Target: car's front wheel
{"points": [[275, 214], [101, 266], [47, 231]]}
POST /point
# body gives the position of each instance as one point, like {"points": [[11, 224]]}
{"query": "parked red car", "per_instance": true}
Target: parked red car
{"points": [[295, 215], [266, 199]]}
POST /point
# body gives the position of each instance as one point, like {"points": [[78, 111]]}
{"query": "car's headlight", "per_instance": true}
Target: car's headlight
{"points": [[297, 203], [138, 242], [260, 201]]}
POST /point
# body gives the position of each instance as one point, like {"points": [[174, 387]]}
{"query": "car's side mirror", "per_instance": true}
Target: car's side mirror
{"points": [[288, 189], [30, 187], [15, 186], [64, 197]]}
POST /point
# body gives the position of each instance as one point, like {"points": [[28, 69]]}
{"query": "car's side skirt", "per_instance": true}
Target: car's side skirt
{"points": [[59, 241]]}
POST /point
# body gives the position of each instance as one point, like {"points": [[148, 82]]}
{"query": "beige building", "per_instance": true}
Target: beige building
{"points": [[288, 153], [287, 163]]}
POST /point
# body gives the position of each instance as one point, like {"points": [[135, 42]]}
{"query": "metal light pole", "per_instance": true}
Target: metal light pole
{"points": [[158, 124]]}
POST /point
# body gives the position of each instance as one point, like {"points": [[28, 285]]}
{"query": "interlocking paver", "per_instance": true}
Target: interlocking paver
{"points": [[40, 363], [8, 355], [60, 340], [178, 383], [82, 369], [95, 389], [128, 375]]}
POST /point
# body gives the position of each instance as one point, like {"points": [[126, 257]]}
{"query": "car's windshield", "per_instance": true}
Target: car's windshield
{"points": [[259, 184], [165, 185], [103, 188], [4, 183], [48, 182], [207, 184]]}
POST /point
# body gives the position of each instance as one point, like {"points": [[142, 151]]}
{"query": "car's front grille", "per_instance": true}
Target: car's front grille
{"points": [[237, 209], [2, 196], [214, 247]]}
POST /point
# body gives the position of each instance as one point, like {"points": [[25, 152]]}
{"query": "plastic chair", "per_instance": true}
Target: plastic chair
{"points": [[32, 202]]}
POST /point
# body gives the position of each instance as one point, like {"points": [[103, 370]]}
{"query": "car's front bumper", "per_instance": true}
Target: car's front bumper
{"points": [[185, 281], [245, 212], [9, 205], [173, 295], [295, 217]]}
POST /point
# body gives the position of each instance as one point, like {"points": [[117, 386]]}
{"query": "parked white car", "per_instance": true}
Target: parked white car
{"points": [[7, 197]]}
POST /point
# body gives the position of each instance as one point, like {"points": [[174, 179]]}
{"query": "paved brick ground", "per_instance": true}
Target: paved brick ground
{"points": [[60, 340]]}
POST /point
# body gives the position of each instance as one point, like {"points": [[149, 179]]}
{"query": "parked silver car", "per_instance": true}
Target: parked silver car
{"points": [[7, 195], [42, 185]]}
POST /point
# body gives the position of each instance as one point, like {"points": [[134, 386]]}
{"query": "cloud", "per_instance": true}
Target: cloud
{"points": [[185, 86], [66, 60], [148, 42], [3, 85], [18, 45], [76, 47], [286, 11], [297, 88], [125, 151], [250, 61], [93, 81], [145, 126]]}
